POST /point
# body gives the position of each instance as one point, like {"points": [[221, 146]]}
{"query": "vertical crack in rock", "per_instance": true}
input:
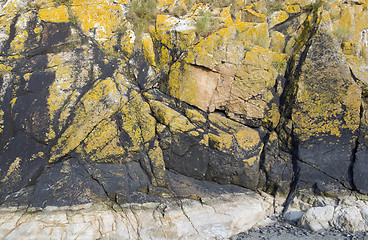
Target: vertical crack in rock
{"points": [[288, 96], [354, 152], [139, 227], [17, 224], [98, 182], [186, 215], [359, 134], [124, 218]]}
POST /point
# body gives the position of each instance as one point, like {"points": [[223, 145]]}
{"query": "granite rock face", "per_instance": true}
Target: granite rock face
{"points": [[99, 101]]}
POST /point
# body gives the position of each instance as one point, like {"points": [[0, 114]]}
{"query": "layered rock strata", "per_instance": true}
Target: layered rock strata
{"points": [[101, 100]]}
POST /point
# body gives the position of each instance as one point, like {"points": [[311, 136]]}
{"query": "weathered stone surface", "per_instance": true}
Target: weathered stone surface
{"points": [[231, 70], [219, 218], [277, 167], [325, 117], [95, 107], [361, 156], [346, 214], [23, 161]]}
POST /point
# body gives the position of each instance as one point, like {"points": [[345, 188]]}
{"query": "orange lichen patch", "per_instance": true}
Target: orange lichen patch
{"points": [[54, 14]]}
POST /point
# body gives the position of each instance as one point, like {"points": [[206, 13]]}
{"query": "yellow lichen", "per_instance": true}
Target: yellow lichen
{"points": [[272, 116], [292, 8], [171, 118], [102, 101], [137, 121], [195, 116], [127, 43], [101, 143], [99, 18], [226, 17], [250, 161], [247, 138], [148, 49], [165, 57], [277, 42], [317, 115], [54, 14], [221, 141], [8, 12], [17, 45], [158, 164], [257, 34], [278, 17], [12, 170]]}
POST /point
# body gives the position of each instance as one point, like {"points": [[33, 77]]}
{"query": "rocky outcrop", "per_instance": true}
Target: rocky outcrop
{"points": [[102, 100], [347, 213], [219, 214]]}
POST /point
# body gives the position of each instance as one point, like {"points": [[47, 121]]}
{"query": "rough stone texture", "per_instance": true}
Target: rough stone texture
{"points": [[326, 119], [217, 218], [96, 108], [346, 216]]}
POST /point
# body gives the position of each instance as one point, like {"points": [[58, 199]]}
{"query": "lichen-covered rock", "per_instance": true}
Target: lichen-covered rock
{"points": [[230, 70], [326, 117], [135, 101]]}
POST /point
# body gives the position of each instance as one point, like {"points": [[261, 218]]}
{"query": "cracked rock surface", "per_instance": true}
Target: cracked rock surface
{"points": [[210, 217], [205, 99]]}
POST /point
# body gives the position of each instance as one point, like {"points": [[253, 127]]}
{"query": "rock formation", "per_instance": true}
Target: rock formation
{"points": [[102, 101]]}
